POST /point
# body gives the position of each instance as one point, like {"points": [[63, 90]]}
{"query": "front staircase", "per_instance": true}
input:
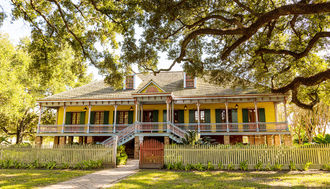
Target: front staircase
{"points": [[127, 134]]}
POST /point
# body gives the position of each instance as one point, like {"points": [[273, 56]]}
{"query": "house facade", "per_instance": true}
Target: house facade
{"points": [[163, 107]]}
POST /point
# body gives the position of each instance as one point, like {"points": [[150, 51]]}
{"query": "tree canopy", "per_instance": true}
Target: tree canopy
{"points": [[279, 45]]}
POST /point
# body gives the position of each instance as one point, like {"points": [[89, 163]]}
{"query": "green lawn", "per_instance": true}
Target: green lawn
{"points": [[31, 178], [221, 179]]}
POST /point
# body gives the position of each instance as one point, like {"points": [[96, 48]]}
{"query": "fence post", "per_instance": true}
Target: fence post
{"points": [[114, 153]]}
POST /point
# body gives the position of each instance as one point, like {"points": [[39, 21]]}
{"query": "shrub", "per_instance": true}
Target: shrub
{"points": [[179, 166], [50, 165], [326, 167], [258, 166], [230, 166], [306, 166], [292, 166], [268, 167], [121, 157], [199, 167], [210, 166], [169, 166], [220, 165], [188, 167], [243, 165], [277, 167]]}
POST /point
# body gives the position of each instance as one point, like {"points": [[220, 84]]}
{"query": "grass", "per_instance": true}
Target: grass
{"points": [[159, 179], [32, 178]]}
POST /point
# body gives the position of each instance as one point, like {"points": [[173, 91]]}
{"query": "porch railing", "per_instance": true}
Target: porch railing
{"points": [[152, 127]]}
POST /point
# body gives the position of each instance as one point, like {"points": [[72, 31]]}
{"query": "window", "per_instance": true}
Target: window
{"points": [[123, 117], [99, 118], [75, 118], [223, 116], [190, 82], [129, 82], [202, 116]]}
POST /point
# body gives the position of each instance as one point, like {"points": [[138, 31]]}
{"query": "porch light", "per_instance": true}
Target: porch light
{"points": [[131, 108], [185, 107], [236, 106], [85, 109]]}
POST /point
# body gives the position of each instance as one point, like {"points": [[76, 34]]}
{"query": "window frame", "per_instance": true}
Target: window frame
{"points": [[129, 82], [77, 118], [125, 115]]}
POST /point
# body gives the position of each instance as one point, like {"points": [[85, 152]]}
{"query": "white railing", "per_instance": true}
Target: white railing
{"points": [[176, 130], [101, 128], [49, 129], [235, 127], [122, 134], [150, 127], [75, 128]]}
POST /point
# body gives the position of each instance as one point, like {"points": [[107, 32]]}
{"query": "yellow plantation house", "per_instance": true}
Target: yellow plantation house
{"points": [[164, 107]]}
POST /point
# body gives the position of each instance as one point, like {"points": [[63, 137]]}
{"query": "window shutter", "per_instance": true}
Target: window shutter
{"points": [[106, 117], [130, 117], [234, 116], [117, 119], [155, 116], [68, 118], [262, 117], [181, 116], [245, 115], [164, 115], [191, 116], [218, 116], [92, 121], [82, 117], [207, 115]]}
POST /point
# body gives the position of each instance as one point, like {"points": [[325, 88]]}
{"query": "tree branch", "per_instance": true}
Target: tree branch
{"points": [[310, 45]]}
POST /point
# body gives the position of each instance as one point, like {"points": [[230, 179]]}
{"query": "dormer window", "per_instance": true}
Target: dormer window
{"points": [[129, 82], [189, 81]]}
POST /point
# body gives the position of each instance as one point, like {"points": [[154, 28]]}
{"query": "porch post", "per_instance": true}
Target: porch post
{"points": [[168, 101], [285, 114], [64, 114], [199, 119], [275, 109], [141, 106], [39, 121], [172, 112], [227, 120], [89, 117], [256, 113], [136, 111], [115, 119]]}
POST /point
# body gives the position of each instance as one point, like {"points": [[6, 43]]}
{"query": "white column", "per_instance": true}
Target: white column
{"points": [[285, 113], [89, 117], [256, 113], [227, 119], [64, 114], [39, 121], [115, 119], [172, 112], [199, 119], [168, 101], [136, 111], [141, 106]]}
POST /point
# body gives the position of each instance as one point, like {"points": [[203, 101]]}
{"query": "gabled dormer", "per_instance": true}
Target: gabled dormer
{"points": [[131, 82], [189, 81]]}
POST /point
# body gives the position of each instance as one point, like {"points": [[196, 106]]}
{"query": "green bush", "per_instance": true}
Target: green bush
{"points": [[121, 158], [179, 166], [306, 166], [220, 165], [258, 166], [326, 167], [277, 167], [292, 166], [188, 167], [199, 167], [169, 166], [268, 167], [243, 165], [230, 166], [210, 166]]}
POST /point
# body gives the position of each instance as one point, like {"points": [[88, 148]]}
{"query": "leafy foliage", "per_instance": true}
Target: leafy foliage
{"points": [[121, 155]]}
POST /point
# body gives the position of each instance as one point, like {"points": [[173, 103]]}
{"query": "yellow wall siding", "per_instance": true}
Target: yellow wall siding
{"points": [[268, 106]]}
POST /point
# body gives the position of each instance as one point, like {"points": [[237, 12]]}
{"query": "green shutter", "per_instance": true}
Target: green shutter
{"points": [[207, 115], [117, 118], [155, 116], [68, 118], [234, 116], [82, 117], [245, 115], [92, 121], [181, 116], [218, 116], [262, 117], [164, 115], [130, 117], [106, 117], [191, 116]]}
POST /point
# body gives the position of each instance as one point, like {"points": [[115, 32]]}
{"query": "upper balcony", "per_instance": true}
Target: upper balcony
{"points": [[162, 127]]}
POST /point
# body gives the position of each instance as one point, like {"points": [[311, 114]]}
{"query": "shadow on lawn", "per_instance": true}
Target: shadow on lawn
{"points": [[220, 179]]}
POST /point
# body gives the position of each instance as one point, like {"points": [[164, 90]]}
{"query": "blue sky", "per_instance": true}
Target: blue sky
{"points": [[19, 29]]}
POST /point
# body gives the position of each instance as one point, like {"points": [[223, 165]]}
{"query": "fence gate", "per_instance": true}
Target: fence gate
{"points": [[151, 154]]}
